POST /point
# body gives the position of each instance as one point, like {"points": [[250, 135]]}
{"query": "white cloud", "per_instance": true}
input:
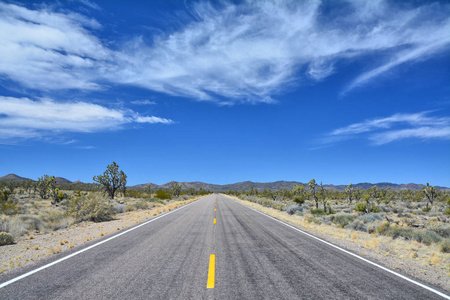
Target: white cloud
{"points": [[25, 118], [47, 50], [143, 102], [227, 53], [251, 51], [396, 127]]}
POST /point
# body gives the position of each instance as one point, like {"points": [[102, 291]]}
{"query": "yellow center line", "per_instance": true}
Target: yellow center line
{"points": [[215, 209], [214, 220], [211, 271]]}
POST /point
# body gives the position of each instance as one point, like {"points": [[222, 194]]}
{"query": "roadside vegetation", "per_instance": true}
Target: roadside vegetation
{"points": [[30, 207], [406, 230], [421, 216]]}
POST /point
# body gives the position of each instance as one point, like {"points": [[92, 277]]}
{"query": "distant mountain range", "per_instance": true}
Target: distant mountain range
{"points": [[14, 177], [246, 185]]}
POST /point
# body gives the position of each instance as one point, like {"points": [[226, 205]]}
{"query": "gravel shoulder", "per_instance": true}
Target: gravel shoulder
{"points": [[33, 248]]}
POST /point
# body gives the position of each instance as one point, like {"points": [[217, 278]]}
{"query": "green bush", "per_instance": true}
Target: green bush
{"points": [[317, 212], [163, 195], [361, 207], [94, 209], [278, 206], [342, 220], [9, 207], [299, 200], [447, 211], [445, 246], [6, 238], [141, 205], [397, 231], [427, 237], [314, 220], [292, 209], [370, 218], [358, 225], [267, 203], [383, 229]]}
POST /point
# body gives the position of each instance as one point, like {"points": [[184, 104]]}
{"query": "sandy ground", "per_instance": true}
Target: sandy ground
{"points": [[32, 248], [411, 258]]}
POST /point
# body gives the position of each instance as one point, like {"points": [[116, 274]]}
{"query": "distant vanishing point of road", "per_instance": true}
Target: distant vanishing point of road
{"points": [[214, 248]]}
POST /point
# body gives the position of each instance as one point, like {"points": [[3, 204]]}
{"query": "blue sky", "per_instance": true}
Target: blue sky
{"points": [[340, 91]]}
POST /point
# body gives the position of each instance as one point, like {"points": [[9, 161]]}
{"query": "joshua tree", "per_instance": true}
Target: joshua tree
{"points": [[349, 192], [322, 194], [176, 189], [312, 187], [430, 192], [112, 179], [45, 185]]}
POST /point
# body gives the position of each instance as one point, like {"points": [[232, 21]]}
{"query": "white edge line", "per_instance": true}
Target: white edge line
{"points": [[4, 284], [352, 254]]}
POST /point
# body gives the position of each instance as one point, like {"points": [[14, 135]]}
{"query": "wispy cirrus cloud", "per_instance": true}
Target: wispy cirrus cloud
{"points": [[32, 119], [143, 102], [47, 50], [223, 52], [397, 127]]}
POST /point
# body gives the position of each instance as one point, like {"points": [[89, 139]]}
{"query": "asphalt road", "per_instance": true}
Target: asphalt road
{"points": [[256, 257]]}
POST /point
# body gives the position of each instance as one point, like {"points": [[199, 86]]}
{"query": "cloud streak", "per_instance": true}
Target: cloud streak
{"points": [[29, 119], [223, 52], [397, 127]]}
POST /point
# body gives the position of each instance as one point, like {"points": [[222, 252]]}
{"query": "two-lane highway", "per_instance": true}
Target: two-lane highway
{"points": [[214, 248]]}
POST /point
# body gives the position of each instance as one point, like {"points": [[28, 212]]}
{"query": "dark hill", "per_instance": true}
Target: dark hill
{"points": [[13, 177]]}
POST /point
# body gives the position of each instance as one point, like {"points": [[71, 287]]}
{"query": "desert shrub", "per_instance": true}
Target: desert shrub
{"points": [[9, 207], [317, 211], [370, 218], [445, 246], [141, 205], [55, 220], [279, 206], [447, 211], [383, 229], [342, 220], [292, 209], [267, 203], [427, 237], [357, 225], [440, 228], [119, 208], [397, 210], [155, 200], [299, 200], [361, 207], [6, 238], [426, 209], [163, 195], [5, 223], [31, 222], [397, 231], [94, 209], [314, 220]]}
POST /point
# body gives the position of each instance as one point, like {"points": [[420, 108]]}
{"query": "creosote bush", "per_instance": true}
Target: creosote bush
{"points": [[90, 209], [163, 195], [342, 220], [317, 211], [292, 209], [445, 246], [6, 239]]}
